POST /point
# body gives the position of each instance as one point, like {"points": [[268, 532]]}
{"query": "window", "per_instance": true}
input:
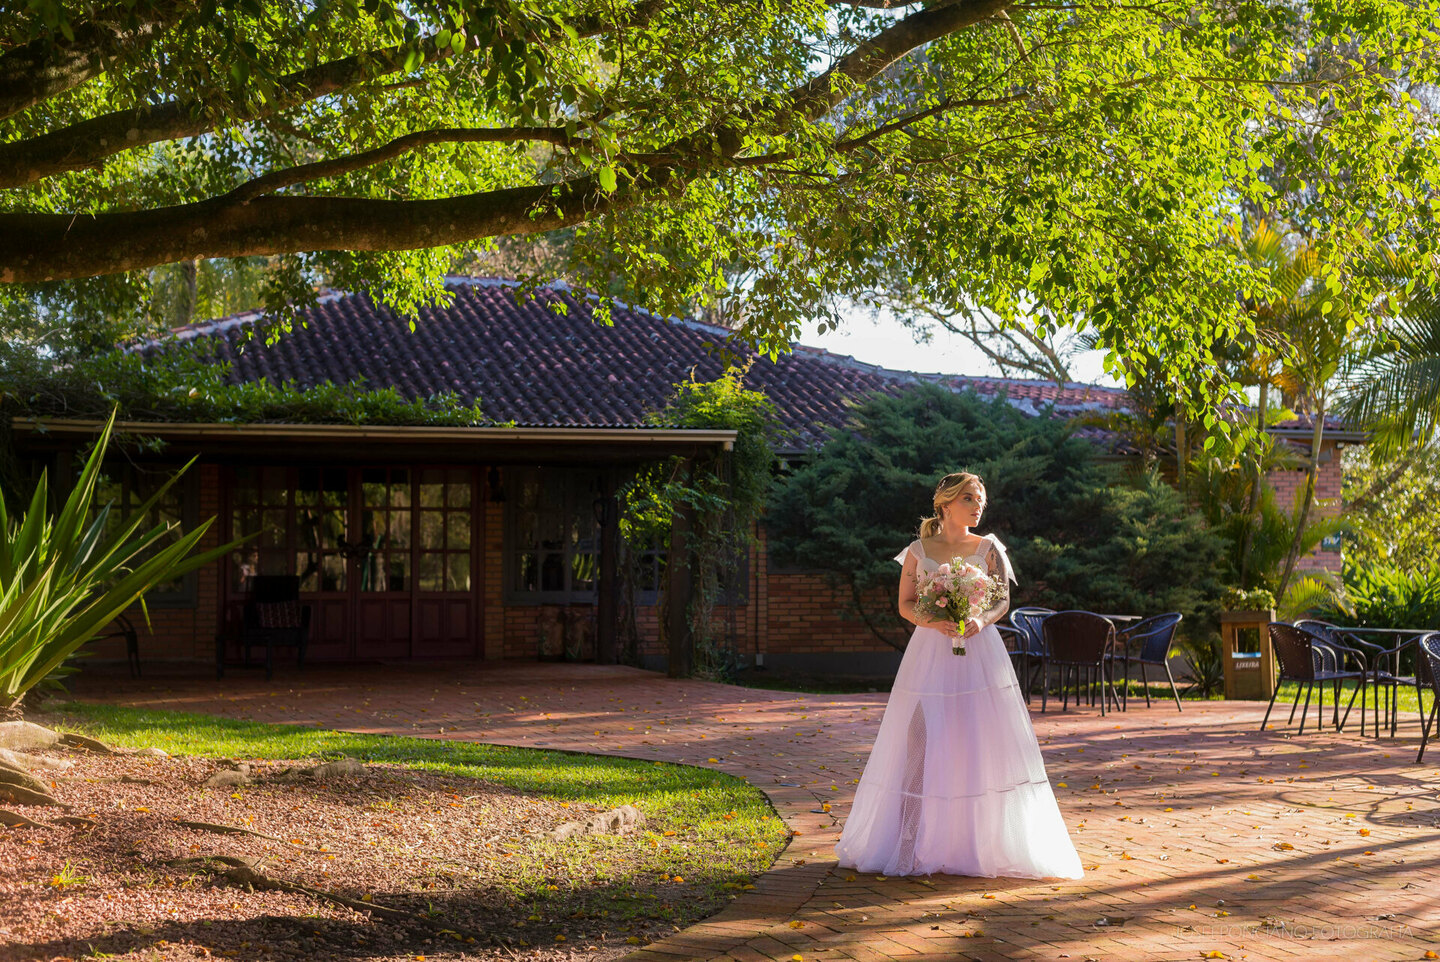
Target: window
{"points": [[259, 504], [385, 508], [442, 561], [552, 549], [125, 488]]}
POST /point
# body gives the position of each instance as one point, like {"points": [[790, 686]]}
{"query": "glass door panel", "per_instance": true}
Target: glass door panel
{"points": [[384, 549], [322, 499]]}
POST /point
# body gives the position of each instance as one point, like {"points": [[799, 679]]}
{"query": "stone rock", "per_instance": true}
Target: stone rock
{"points": [[341, 768], [152, 752], [617, 821], [22, 736], [230, 777], [85, 743], [32, 762]]}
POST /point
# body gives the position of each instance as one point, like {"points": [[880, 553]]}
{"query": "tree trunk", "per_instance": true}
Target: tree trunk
{"points": [[1259, 480], [1311, 477], [1181, 455], [679, 589], [607, 649]]}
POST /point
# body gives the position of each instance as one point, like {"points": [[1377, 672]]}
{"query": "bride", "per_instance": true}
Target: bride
{"points": [[955, 783]]}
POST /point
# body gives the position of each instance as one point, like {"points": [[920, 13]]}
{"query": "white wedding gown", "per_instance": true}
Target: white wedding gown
{"points": [[955, 783]]}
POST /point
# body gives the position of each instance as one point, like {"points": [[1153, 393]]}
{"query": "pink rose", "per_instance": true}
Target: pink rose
{"points": [[944, 569], [942, 602]]}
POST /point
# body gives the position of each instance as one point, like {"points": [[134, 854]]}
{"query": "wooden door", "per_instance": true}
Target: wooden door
{"points": [[447, 622], [384, 609]]}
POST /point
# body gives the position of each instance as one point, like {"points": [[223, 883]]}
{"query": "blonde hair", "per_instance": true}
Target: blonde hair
{"points": [[946, 491]]}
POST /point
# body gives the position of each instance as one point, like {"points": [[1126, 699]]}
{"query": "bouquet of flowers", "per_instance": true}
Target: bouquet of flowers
{"points": [[953, 593]]}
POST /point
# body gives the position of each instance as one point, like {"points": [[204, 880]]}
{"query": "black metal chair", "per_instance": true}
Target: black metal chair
{"points": [[1152, 637], [1392, 678], [1305, 657], [1378, 657], [1015, 642], [1427, 662], [124, 628], [1027, 621], [1078, 640], [273, 616]]}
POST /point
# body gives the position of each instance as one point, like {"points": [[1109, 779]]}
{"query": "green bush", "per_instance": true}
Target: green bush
{"points": [[1388, 596], [1081, 533], [63, 578]]}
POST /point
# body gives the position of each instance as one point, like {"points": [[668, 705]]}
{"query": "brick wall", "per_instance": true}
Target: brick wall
{"points": [[1288, 486]]}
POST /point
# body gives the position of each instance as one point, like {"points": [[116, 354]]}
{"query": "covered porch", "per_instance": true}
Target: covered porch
{"points": [[408, 542]]}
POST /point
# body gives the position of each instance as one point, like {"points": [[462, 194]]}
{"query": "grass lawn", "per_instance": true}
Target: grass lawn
{"points": [[706, 834]]}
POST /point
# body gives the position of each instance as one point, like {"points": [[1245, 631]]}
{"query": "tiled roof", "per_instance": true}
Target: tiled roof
{"points": [[528, 364]]}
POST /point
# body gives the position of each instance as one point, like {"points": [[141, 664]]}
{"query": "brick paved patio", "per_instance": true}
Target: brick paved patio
{"points": [[1201, 837]]}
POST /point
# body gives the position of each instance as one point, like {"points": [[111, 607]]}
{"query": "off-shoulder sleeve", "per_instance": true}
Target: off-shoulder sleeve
{"points": [[911, 548], [1004, 557]]}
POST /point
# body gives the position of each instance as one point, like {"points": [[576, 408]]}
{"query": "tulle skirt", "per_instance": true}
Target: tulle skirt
{"points": [[955, 783]]}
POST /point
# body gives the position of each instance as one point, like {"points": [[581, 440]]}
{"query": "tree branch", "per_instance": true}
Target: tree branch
{"points": [[304, 173], [949, 103], [46, 66], [37, 247], [86, 144]]}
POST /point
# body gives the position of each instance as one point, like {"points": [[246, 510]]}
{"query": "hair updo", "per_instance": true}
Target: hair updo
{"points": [[949, 488]]}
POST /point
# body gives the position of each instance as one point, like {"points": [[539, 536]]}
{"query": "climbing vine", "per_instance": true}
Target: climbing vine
{"points": [[723, 494]]}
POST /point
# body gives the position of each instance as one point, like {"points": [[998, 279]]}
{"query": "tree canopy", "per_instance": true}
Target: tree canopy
{"points": [[1053, 161]]}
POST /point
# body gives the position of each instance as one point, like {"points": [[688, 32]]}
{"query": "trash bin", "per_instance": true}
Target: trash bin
{"points": [[1248, 658]]}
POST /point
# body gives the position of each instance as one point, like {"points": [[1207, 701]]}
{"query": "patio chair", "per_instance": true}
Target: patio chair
{"points": [[274, 617], [1015, 644], [1078, 640], [124, 628], [1386, 671], [1427, 661], [1153, 637], [1305, 657], [1378, 657], [1027, 620]]}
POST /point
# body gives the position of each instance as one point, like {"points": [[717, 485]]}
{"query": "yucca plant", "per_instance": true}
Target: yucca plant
{"points": [[63, 578]]}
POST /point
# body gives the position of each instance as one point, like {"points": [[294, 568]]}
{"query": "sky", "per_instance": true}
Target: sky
{"points": [[889, 343]]}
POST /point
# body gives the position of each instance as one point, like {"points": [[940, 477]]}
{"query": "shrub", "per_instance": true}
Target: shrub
{"points": [[63, 578], [1081, 533]]}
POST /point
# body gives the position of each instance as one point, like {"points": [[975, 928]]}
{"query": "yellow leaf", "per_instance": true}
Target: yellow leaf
{"points": [[1214, 954], [141, 808], [669, 833], [1061, 785], [712, 760], [1283, 847], [633, 940], [559, 938], [1430, 954], [797, 924], [1364, 831], [679, 878], [797, 957]]}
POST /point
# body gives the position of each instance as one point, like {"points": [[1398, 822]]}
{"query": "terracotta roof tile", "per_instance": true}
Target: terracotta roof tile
{"points": [[529, 364]]}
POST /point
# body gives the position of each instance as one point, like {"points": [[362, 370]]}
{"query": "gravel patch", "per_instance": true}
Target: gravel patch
{"points": [[471, 864]]}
